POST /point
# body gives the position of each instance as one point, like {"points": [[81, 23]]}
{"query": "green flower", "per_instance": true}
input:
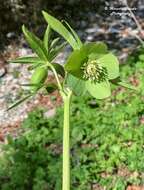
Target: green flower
{"points": [[95, 67]]}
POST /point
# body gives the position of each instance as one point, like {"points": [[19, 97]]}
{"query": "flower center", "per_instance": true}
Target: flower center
{"points": [[93, 71]]}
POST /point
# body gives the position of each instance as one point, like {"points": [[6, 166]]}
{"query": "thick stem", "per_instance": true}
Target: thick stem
{"points": [[66, 142]]}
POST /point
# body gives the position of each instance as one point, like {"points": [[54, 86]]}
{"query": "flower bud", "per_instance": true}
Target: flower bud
{"points": [[38, 77]]}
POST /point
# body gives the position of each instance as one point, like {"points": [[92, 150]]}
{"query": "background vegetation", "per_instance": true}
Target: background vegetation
{"points": [[106, 142]]}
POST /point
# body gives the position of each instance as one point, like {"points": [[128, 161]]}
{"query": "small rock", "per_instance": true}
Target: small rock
{"points": [[91, 30], [11, 35], [135, 187], [89, 38], [50, 113], [2, 72]]}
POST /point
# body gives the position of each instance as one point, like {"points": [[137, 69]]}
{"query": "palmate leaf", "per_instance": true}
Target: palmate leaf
{"points": [[19, 102], [57, 26], [46, 38], [99, 90], [35, 43], [27, 60]]}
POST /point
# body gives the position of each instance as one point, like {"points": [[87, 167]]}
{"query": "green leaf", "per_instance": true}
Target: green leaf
{"points": [[111, 63], [29, 85], [76, 85], [59, 69], [36, 44], [75, 62], [61, 29], [54, 52], [118, 81], [127, 85], [77, 133], [46, 38], [141, 57], [54, 42], [51, 87], [27, 60], [19, 102], [99, 90], [74, 34], [34, 66]]}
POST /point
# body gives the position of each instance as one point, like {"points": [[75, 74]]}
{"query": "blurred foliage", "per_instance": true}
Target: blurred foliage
{"points": [[106, 142]]}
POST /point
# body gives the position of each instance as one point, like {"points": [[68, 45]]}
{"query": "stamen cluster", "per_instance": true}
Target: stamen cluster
{"points": [[93, 71]]}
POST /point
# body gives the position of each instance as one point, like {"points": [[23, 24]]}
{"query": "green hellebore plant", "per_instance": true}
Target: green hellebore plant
{"points": [[90, 67]]}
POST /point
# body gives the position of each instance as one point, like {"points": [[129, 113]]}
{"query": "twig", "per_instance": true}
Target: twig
{"points": [[137, 24], [134, 18]]}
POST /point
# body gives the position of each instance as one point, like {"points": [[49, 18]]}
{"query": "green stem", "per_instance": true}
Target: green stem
{"points": [[57, 79], [66, 141], [56, 76]]}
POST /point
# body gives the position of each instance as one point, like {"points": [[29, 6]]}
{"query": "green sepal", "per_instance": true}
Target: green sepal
{"points": [[75, 62], [100, 90], [111, 63], [76, 85], [97, 49]]}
